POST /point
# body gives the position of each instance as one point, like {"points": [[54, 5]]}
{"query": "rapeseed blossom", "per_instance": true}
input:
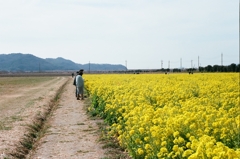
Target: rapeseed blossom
{"points": [[170, 116]]}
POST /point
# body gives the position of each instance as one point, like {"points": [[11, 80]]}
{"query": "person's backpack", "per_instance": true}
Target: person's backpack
{"points": [[74, 81]]}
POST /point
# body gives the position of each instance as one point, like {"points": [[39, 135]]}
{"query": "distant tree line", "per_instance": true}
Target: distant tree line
{"points": [[216, 68]]}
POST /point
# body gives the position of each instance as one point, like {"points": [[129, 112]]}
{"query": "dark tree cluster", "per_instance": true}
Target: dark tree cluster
{"points": [[217, 68]]}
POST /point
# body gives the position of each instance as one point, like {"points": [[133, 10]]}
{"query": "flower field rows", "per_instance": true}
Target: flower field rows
{"points": [[170, 116]]}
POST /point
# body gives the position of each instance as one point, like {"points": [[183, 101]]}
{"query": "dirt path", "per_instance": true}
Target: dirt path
{"points": [[72, 135]]}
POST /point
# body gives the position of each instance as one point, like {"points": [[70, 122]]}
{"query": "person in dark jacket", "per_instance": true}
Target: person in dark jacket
{"points": [[74, 83]]}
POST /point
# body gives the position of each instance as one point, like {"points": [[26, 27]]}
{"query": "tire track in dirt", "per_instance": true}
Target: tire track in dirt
{"points": [[72, 135]]}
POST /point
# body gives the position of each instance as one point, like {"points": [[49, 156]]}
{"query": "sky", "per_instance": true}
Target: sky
{"points": [[139, 34]]}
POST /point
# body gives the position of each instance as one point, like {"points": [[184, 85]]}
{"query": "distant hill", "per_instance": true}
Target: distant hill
{"points": [[28, 62]]}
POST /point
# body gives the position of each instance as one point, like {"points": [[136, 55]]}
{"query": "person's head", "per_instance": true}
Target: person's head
{"points": [[80, 72]]}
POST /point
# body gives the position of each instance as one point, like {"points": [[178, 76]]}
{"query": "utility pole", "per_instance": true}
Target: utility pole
{"points": [[222, 59], [191, 70], [169, 65], [161, 64], [181, 63], [222, 62], [198, 63], [126, 65], [89, 67]]}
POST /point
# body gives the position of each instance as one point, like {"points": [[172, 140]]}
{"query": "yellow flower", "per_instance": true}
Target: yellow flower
{"points": [[154, 134], [187, 153], [176, 134], [164, 143], [175, 148], [119, 127], [193, 126], [181, 140], [209, 152], [146, 138], [163, 150], [131, 132], [140, 151], [193, 156], [192, 138], [188, 135], [148, 146], [137, 141], [188, 145], [141, 130]]}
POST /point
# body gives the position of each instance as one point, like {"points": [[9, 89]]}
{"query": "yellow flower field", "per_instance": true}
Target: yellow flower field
{"points": [[170, 116]]}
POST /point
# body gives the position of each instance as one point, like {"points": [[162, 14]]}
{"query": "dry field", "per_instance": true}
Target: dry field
{"points": [[22, 98]]}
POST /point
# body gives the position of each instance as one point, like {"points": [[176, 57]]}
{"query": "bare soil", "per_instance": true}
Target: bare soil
{"points": [[71, 133], [18, 107]]}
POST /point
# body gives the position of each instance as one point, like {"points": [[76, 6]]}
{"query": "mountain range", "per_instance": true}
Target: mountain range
{"points": [[27, 62]]}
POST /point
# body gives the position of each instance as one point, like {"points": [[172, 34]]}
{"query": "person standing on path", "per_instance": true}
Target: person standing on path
{"points": [[74, 83], [80, 85]]}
